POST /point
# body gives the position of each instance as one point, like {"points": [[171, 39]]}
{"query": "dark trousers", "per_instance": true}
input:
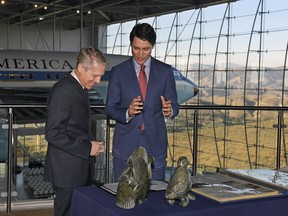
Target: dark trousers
{"points": [[62, 201], [158, 168]]}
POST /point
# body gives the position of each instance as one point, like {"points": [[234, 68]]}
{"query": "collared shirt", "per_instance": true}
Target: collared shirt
{"points": [[147, 68], [137, 69], [147, 71], [74, 75]]}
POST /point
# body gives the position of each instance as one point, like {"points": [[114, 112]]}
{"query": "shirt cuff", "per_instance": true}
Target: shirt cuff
{"points": [[128, 118], [169, 117]]}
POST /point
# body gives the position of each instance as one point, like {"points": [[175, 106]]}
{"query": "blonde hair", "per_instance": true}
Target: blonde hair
{"points": [[90, 57]]}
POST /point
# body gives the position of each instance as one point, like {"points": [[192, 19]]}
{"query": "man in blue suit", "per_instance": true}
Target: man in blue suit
{"points": [[140, 119], [71, 146]]}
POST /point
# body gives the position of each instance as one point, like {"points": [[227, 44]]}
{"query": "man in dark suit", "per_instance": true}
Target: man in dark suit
{"points": [[140, 117], [67, 130]]}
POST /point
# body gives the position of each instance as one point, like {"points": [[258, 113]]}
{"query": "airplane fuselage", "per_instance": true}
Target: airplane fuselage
{"points": [[41, 69]]}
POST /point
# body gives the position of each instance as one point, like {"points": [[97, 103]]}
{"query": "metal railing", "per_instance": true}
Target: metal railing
{"points": [[109, 125]]}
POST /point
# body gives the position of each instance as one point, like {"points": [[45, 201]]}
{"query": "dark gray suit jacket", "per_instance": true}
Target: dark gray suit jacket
{"points": [[67, 131]]}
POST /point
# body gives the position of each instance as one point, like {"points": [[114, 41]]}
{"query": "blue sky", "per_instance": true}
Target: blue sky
{"points": [[273, 43]]}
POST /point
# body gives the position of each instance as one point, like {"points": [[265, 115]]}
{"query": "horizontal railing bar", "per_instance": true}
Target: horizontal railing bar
{"points": [[185, 107]]}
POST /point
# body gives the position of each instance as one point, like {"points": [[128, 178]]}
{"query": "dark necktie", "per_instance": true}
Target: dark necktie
{"points": [[143, 85], [143, 81]]}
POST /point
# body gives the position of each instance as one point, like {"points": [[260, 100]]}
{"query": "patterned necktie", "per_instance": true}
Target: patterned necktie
{"points": [[143, 85], [143, 81]]}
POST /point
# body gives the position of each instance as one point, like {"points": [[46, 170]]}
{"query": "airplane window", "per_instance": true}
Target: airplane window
{"points": [[11, 76], [30, 76], [48, 76], [21, 76], [57, 76]]}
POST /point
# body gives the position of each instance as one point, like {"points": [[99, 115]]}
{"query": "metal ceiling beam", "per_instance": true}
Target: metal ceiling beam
{"points": [[101, 4], [107, 11]]}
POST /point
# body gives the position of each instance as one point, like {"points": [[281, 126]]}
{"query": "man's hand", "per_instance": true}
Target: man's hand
{"points": [[135, 107], [97, 148], [166, 107]]}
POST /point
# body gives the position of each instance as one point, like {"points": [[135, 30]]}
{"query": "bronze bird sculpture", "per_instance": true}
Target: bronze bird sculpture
{"points": [[180, 184], [134, 182]]}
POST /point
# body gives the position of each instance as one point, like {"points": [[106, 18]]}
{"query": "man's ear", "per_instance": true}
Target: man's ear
{"points": [[80, 67]]}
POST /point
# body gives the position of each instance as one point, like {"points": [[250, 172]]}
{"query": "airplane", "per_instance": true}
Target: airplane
{"points": [[27, 74]]}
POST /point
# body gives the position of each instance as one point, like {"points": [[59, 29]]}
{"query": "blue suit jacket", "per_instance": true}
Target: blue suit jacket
{"points": [[123, 88]]}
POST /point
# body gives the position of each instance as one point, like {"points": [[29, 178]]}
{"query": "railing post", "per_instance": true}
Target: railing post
{"points": [[107, 150], [195, 143], [10, 151], [279, 135]]}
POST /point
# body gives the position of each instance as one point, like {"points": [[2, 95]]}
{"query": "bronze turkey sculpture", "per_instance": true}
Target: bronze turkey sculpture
{"points": [[180, 184], [134, 182]]}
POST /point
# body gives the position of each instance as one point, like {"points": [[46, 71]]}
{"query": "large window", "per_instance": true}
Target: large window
{"points": [[237, 55]]}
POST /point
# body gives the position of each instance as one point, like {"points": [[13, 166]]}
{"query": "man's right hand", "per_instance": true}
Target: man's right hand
{"points": [[135, 107], [97, 148]]}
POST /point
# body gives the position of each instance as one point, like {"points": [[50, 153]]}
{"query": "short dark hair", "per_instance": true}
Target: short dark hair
{"points": [[144, 31], [89, 56]]}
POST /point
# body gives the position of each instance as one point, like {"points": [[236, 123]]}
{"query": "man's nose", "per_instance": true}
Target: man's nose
{"points": [[141, 53], [97, 80]]}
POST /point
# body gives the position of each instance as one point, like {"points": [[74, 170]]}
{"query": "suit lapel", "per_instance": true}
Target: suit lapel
{"points": [[132, 77], [85, 96], [153, 80]]}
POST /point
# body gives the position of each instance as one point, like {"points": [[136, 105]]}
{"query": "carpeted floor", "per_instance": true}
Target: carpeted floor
{"points": [[36, 212]]}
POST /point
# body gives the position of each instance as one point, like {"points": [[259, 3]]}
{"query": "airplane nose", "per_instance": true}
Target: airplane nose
{"points": [[186, 91], [196, 90]]}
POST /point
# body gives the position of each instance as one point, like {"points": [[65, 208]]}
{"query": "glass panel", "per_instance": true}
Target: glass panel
{"points": [[3, 153], [29, 155], [227, 139]]}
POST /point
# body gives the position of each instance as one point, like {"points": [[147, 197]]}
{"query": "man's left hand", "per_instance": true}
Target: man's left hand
{"points": [[166, 107]]}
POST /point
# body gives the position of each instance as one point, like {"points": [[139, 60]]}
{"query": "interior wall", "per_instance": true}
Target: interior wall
{"points": [[41, 37]]}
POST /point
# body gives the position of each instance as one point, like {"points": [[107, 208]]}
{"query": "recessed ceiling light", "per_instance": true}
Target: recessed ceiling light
{"points": [[2, 2]]}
